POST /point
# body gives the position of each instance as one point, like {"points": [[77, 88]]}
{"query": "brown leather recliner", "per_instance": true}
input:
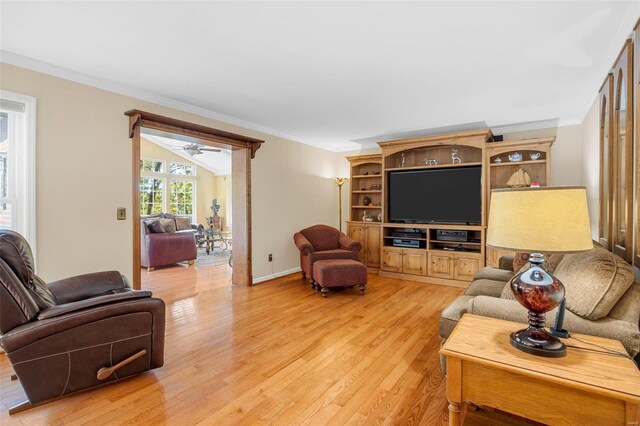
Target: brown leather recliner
{"points": [[321, 242], [66, 336]]}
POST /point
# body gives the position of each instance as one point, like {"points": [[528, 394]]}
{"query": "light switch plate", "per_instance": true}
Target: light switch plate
{"points": [[122, 213]]}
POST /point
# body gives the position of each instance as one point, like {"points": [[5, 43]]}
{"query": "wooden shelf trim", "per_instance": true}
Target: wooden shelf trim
{"points": [[368, 191], [367, 207], [439, 166], [366, 176], [517, 163]]}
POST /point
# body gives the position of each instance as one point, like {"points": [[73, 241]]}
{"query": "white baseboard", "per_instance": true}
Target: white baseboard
{"points": [[276, 275]]}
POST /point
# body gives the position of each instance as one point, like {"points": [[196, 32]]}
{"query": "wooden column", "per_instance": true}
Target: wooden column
{"points": [[241, 216]]}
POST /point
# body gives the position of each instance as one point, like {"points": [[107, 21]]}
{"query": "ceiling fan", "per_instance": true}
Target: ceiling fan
{"points": [[196, 149]]}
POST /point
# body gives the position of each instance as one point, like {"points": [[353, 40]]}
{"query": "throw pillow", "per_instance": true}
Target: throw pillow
{"points": [[169, 225], [594, 282], [155, 227], [183, 223], [519, 260], [507, 293]]}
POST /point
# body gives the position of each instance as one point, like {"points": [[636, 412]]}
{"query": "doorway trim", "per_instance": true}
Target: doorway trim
{"points": [[243, 150]]}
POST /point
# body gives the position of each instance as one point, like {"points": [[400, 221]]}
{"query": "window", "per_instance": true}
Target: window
{"points": [[17, 164], [151, 196], [173, 192], [181, 197]]}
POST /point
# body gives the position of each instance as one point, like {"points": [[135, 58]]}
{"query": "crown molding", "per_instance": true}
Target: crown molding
{"points": [[143, 95], [533, 125]]}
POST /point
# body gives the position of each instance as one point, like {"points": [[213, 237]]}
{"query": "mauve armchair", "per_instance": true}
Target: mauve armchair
{"points": [[321, 242]]}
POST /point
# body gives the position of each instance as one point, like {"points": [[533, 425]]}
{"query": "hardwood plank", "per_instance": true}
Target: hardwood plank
{"points": [[273, 353]]}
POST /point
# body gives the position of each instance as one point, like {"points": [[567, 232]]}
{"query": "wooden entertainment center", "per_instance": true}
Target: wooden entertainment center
{"points": [[435, 260]]}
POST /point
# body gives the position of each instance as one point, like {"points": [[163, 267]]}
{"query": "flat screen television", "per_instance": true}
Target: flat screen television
{"points": [[448, 195]]}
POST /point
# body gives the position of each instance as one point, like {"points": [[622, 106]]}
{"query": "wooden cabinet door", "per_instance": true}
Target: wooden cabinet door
{"points": [[440, 265], [356, 232], [414, 262], [372, 246], [465, 268], [392, 259]]}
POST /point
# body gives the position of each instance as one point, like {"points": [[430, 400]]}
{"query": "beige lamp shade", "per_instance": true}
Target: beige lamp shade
{"points": [[547, 220]]}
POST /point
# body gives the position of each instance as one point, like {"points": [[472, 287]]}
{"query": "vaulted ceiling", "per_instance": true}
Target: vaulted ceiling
{"points": [[335, 75]]}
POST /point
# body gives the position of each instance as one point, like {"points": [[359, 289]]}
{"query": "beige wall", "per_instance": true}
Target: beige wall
{"points": [[84, 173], [206, 183], [591, 165]]}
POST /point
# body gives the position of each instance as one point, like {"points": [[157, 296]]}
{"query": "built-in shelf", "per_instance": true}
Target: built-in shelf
{"points": [[439, 166], [472, 252], [365, 176], [367, 207], [369, 191], [455, 243], [391, 237], [517, 163]]}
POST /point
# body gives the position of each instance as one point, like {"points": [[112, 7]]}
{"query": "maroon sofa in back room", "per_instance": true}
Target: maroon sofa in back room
{"points": [[169, 247]]}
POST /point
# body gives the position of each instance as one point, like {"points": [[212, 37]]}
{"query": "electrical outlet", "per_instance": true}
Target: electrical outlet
{"points": [[270, 258], [121, 213]]}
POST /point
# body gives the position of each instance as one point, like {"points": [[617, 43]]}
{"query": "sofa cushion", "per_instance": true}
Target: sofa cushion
{"points": [[485, 287], [452, 314], [495, 274], [183, 223], [155, 227], [507, 293], [628, 307], [594, 281], [169, 225]]}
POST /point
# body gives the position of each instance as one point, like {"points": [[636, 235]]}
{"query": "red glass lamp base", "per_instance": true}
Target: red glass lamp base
{"points": [[537, 341]]}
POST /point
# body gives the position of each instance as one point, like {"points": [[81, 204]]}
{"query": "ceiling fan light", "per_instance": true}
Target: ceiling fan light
{"points": [[191, 150]]}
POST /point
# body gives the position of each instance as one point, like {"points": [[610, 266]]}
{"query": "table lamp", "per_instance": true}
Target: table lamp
{"points": [[539, 220]]}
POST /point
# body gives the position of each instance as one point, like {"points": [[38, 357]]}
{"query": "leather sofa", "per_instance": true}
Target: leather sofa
{"points": [[581, 273], [166, 248], [58, 336], [322, 242]]}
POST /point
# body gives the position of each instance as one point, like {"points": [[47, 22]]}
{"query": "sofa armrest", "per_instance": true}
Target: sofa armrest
{"points": [[302, 243], [347, 243], [114, 297], [86, 286], [506, 262]]}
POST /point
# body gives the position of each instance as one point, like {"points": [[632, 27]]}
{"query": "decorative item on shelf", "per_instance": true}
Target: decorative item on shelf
{"points": [[550, 220], [403, 159], [430, 162], [379, 203], [535, 184], [376, 173], [363, 189], [535, 155], [340, 181], [516, 156], [365, 173], [455, 159], [376, 187], [368, 218], [366, 201], [497, 160], [364, 216], [519, 179], [379, 217]]}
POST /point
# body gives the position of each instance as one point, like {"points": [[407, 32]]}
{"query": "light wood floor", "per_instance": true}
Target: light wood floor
{"points": [[276, 353]]}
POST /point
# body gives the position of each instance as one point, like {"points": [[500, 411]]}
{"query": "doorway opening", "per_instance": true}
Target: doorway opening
{"points": [[167, 165]]}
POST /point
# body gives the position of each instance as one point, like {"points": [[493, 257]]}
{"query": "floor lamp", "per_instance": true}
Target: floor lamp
{"points": [[340, 181]]}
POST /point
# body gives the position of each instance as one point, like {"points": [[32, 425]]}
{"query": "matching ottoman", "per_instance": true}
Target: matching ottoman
{"points": [[339, 273]]}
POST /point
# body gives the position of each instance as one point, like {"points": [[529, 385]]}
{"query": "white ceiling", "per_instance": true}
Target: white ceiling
{"points": [[218, 163], [332, 73]]}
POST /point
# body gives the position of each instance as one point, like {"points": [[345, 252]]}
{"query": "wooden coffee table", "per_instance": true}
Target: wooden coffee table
{"points": [[584, 387]]}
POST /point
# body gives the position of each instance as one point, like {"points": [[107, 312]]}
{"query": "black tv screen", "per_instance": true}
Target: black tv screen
{"points": [[436, 195]]}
